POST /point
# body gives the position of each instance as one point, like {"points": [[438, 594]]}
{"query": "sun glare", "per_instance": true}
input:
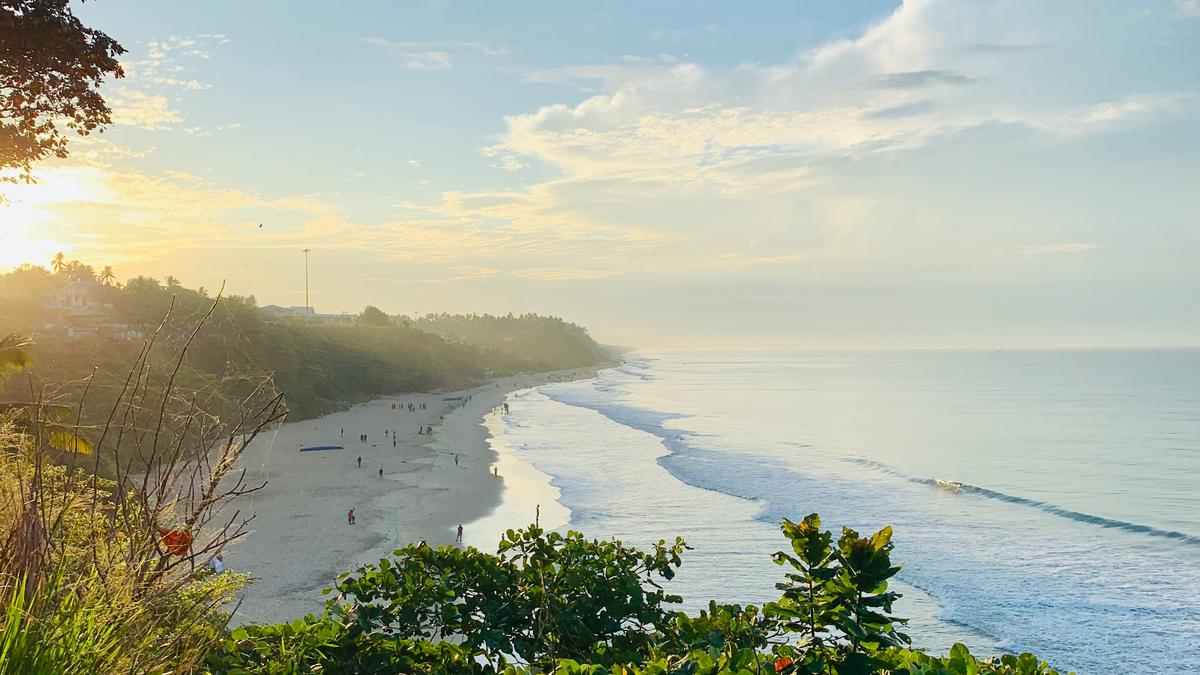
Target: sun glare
{"points": [[21, 243], [32, 229]]}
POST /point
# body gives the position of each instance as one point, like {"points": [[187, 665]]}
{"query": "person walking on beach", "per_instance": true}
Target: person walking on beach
{"points": [[342, 432], [360, 461], [496, 471], [455, 460], [459, 537], [381, 472], [350, 517], [393, 440]]}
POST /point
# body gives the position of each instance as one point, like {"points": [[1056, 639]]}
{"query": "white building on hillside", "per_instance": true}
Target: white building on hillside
{"points": [[80, 309]]}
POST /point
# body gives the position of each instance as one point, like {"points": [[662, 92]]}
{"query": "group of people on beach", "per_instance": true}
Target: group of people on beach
{"points": [[422, 430]]}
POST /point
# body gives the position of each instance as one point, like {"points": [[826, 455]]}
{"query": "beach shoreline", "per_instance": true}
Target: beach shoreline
{"points": [[410, 487]]}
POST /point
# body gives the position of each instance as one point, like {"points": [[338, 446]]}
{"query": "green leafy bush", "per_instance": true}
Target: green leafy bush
{"points": [[554, 603]]}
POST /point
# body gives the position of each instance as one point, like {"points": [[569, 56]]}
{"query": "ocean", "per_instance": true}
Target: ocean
{"points": [[1044, 501]]}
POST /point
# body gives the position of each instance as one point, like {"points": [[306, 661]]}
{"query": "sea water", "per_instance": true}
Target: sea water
{"points": [[1044, 501]]}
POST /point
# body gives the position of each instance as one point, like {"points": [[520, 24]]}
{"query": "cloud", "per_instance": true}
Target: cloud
{"points": [[428, 61], [902, 110], [1001, 48], [202, 130], [463, 273], [767, 128], [921, 78], [431, 55], [1188, 8], [136, 108], [1124, 112], [1056, 249], [562, 274], [666, 169], [165, 61], [504, 160], [140, 99]]}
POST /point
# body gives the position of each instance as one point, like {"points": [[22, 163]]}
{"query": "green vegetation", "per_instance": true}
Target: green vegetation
{"points": [[318, 368], [90, 579], [528, 341], [110, 576], [554, 603]]}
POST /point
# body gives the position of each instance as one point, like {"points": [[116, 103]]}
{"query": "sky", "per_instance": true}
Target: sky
{"points": [[771, 175]]}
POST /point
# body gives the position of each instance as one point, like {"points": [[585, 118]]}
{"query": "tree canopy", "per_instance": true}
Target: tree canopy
{"points": [[548, 602], [319, 368], [373, 316], [51, 68]]}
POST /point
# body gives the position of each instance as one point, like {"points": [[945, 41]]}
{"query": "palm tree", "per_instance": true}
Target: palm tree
{"points": [[13, 354], [55, 422], [172, 282], [59, 264], [107, 276]]}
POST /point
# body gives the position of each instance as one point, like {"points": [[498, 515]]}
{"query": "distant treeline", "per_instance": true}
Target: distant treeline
{"points": [[318, 367], [531, 341]]}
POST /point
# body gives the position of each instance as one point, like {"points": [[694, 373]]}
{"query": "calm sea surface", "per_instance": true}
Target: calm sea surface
{"points": [[1043, 501]]}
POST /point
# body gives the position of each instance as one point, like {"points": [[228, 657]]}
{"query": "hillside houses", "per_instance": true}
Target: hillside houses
{"points": [[80, 309]]}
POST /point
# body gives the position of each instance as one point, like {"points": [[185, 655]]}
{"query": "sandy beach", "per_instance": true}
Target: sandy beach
{"points": [[299, 539]]}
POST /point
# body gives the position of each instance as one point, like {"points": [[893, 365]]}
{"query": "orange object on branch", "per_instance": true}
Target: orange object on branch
{"points": [[177, 542]]}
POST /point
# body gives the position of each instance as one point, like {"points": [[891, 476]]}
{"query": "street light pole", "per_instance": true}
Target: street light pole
{"points": [[307, 307]]}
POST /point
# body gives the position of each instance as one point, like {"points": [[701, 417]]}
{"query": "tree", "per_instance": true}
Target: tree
{"points": [[373, 316], [59, 264], [107, 276], [563, 604], [51, 67], [14, 354], [78, 270]]}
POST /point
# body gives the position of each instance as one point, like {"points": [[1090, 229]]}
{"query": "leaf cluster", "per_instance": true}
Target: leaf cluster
{"points": [[560, 603], [51, 68]]}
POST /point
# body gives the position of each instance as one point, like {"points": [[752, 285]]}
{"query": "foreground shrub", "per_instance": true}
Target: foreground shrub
{"points": [[554, 603], [109, 576]]}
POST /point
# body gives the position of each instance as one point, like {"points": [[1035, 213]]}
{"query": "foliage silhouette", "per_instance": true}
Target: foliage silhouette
{"points": [[554, 603], [51, 68]]}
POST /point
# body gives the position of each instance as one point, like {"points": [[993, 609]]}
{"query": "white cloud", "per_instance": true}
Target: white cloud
{"points": [[431, 55], [203, 131], [1188, 8], [147, 111], [140, 98], [931, 69], [428, 61]]}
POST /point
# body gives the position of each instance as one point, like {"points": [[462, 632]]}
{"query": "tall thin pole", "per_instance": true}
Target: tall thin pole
{"points": [[307, 307]]}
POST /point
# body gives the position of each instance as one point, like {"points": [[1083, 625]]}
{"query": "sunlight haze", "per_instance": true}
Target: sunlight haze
{"points": [[697, 175]]}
